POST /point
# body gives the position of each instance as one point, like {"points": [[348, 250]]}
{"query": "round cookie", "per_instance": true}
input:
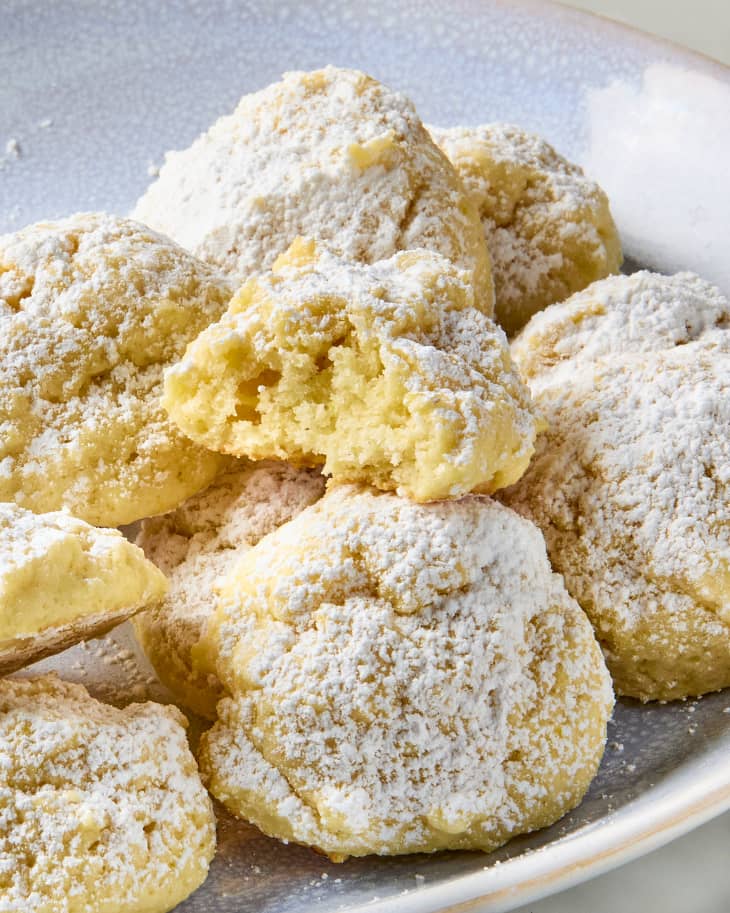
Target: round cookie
{"points": [[332, 154], [103, 809], [403, 678], [548, 227], [62, 581], [195, 546], [385, 373], [92, 308], [642, 312], [630, 486]]}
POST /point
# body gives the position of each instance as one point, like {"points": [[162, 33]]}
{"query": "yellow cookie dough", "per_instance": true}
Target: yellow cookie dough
{"points": [[332, 154], [92, 308], [630, 484], [103, 810], [385, 373], [195, 545], [548, 227], [403, 678], [62, 581]]}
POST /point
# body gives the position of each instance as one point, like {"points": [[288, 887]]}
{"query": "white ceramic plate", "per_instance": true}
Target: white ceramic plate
{"points": [[92, 94]]}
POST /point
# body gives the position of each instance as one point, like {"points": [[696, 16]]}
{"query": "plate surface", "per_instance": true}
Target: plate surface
{"points": [[92, 94]]}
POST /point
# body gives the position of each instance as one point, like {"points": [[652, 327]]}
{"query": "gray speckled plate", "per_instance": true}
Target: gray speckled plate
{"points": [[92, 94]]}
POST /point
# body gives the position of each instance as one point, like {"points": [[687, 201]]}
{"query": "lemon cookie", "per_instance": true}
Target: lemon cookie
{"points": [[195, 545], [630, 486], [643, 312], [385, 373], [332, 154], [62, 581], [91, 310], [548, 227], [103, 810], [403, 678]]}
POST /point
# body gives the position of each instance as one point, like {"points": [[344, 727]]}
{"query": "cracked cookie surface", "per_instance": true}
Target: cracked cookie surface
{"points": [[92, 308], [331, 154], [402, 678], [630, 483], [103, 810], [196, 545], [548, 227]]}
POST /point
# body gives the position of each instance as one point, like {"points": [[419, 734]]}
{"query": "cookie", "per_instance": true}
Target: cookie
{"points": [[402, 678], [92, 308], [385, 374], [62, 581], [332, 154], [630, 486], [195, 546], [548, 227], [643, 312], [103, 809]]}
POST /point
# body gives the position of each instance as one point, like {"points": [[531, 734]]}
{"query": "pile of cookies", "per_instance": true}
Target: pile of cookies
{"points": [[386, 553]]}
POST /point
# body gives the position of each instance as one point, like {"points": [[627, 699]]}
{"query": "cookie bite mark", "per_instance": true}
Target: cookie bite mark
{"points": [[62, 581], [385, 374]]}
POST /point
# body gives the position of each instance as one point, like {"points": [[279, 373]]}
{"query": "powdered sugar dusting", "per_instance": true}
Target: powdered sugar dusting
{"points": [[96, 804], [195, 546], [390, 666], [91, 310], [631, 484], [330, 154], [638, 313], [547, 226]]}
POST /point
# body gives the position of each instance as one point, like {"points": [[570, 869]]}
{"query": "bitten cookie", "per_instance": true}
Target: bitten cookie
{"points": [[403, 678], [92, 308], [630, 483], [103, 810], [386, 374], [62, 581], [332, 154], [548, 227], [195, 546]]}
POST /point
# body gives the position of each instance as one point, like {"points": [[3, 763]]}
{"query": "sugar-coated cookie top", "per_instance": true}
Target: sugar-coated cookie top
{"points": [[102, 809], [643, 312], [381, 658], [548, 227], [91, 309], [331, 154], [631, 482]]}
